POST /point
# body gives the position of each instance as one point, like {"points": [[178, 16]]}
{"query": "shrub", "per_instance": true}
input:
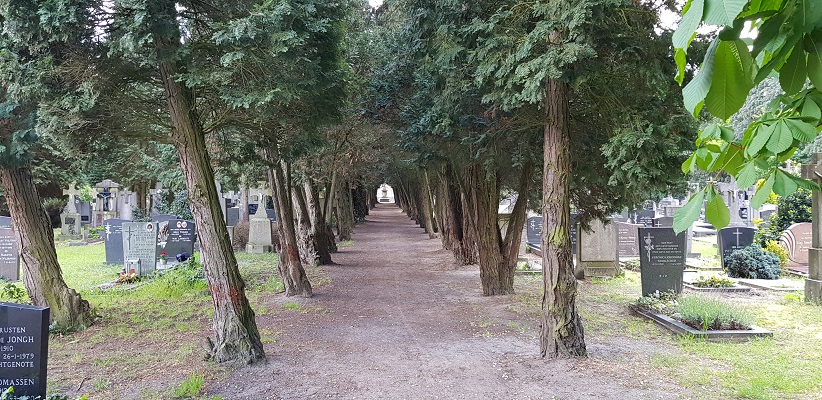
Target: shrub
{"points": [[774, 247], [240, 236], [713, 282], [792, 209], [752, 262], [12, 293], [712, 314], [54, 206]]}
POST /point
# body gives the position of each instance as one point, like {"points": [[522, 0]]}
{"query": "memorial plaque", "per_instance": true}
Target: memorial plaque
{"points": [[5, 222], [731, 239], [646, 218], [252, 209], [797, 239], [24, 334], [232, 216], [113, 238], [272, 214], [533, 232], [174, 237], [9, 255], [140, 243], [627, 239], [661, 260]]}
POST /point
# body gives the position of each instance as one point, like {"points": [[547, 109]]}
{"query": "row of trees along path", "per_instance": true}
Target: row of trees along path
{"points": [[398, 320]]}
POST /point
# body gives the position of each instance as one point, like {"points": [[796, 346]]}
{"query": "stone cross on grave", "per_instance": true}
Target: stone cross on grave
{"points": [[813, 284], [648, 245], [72, 193], [737, 233]]}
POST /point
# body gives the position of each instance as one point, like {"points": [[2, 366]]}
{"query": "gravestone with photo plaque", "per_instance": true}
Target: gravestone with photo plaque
{"points": [[140, 247], [175, 236], [661, 260], [24, 334]]}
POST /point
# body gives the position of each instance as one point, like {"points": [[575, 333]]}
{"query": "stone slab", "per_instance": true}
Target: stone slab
{"points": [[24, 334], [777, 285], [662, 260]]}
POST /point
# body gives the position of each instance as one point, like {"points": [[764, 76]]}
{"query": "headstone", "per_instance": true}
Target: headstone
{"points": [[113, 239], [232, 216], [734, 238], [140, 246], [259, 234], [797, 241], [646, 217], [766, 215], [175, 236], [597, 250], [84, 209], [252, 208], [163, 217], [533, 232], [24, 334], [70, 227], [272, 214], [574, 233], [813, 284], [627, 239], [9, 255], [5, 222], [662, 260], [663, 222]]}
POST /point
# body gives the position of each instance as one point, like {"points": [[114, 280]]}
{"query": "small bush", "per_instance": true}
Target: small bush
{"points": [[752, 262], [187, 277], [94, 233], [793, 208], [191, 387], [712, 314], [777, 249], [240, 236], [12, 293], [713, 282]]}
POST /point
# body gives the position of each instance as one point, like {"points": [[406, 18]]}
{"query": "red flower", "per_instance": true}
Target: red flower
{"points": [[163, 252]]}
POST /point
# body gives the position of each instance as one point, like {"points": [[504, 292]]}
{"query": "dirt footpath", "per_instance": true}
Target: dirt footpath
{"points": [[399, 321]]}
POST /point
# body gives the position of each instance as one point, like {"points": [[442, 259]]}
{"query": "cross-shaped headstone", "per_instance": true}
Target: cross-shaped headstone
{"points": [[72, 193]]}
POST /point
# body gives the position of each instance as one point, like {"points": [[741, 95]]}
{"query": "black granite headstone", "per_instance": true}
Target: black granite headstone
{"points": [[661, 259], [272, 214], [533, 232], [24, 334], [663, 222], [175, 236], [627, 239], [113, 238], [5, 222], [735, 238], [9, 255], [252, 209], [646, 218], [232, 216]]}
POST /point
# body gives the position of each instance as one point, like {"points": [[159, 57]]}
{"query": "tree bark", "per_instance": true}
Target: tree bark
{"points": [[562, 333], [289, 266], [35, 244], [345, 212], [323, 237], [305, 233], [427, 206], [237, 337]]}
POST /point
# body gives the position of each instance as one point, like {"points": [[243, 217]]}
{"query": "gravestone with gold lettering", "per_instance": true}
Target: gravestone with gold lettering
{"points": [[661, 260], [24, 333]]}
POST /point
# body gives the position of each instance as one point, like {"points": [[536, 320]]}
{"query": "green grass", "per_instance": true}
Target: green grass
{"points": [[712, 313], [785, 366], [190, 387]]}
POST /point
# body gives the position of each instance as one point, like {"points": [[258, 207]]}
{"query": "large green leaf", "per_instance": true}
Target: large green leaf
{"points": [[800, 129], [747, 175], [815, 63], [759, 137], [783, 184], [780, 140], [793, 72], [716, 212], [723, 12], [763, 193], [808, 15], [687, 215], [695, 91], [732, 79], [687, 26]]}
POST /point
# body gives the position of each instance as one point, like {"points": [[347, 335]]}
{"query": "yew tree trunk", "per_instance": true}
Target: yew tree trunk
{"points": [[453, 236], [289, 266], [561, 334], [35, 243], [237, 337], [302, 223], [345, 211], [324, 242], [428, 206]]}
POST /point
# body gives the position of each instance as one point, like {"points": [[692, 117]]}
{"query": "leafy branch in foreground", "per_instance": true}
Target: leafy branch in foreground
{"points": [[788, 45]]}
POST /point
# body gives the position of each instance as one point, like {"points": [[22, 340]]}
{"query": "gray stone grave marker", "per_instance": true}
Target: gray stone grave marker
{"points": [[140, 246], [663, 222], [646, 217], [113, 239], [533, 232], [232, 216], [259, 233], [797, 240], [627, 239], [661, 260], [175, 236], [733, 238], [24, 334], [272, 214], [9, 255], [597, 250], [5, 222], [84, 209]]}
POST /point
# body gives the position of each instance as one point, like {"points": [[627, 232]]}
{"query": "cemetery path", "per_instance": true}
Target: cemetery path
{"points": [[399, 321]]}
